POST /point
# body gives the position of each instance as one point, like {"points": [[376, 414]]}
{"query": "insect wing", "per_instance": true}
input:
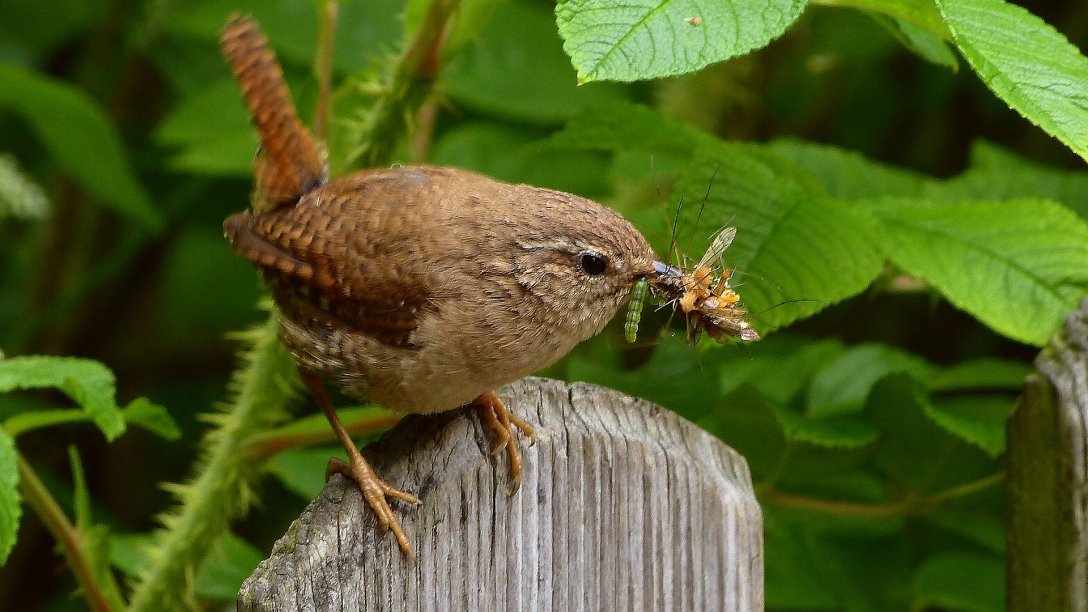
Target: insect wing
{"points": [[718, 246]]}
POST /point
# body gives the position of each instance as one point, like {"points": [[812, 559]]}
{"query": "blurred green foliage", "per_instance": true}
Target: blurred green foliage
{"points": [[905, 242]]}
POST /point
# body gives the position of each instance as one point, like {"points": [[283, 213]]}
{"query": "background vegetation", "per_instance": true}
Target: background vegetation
{"points": [[906, 242]]}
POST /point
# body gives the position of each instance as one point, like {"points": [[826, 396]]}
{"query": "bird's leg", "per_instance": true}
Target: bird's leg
{"points": [[375, 490], [500, 420]]}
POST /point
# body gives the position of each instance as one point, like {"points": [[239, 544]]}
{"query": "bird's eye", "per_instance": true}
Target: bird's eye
{"points": [[592, 264]]}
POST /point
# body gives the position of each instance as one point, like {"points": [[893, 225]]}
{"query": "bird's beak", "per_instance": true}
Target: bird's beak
{"points": [[664, 269]]}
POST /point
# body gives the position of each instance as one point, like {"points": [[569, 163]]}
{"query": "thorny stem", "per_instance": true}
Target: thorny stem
{"points": [[66, 534], [410, 84], [419, 146], [326, 34], [905, 507], [221, 490]]}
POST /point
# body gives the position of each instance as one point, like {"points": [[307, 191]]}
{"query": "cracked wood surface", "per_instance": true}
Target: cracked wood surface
{"points": [[623, 506]]}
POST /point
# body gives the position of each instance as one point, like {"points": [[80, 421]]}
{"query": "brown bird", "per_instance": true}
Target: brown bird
{"points": [[419, 288]]}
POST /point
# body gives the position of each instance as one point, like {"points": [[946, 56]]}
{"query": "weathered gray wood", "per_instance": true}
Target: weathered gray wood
{"points": [[624, 506], [1047, 537]]}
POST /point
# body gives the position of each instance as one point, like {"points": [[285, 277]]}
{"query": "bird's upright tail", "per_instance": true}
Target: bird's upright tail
{"points": [[290, 162]]}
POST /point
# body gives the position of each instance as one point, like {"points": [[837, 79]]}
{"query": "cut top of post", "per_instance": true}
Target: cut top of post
{"points": [[623, 505]]}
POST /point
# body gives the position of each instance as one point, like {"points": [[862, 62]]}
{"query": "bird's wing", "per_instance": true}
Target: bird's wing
{"points": [[316, 274]]}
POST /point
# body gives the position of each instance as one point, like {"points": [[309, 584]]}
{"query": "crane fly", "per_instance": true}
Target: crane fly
{"points": [[704, 296]]}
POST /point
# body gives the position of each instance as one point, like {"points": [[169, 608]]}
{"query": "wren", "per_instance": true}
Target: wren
{"points": [[420, 288]]}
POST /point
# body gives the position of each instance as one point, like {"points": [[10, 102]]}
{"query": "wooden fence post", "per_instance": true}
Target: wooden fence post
{"points": [[623, 506], [1047, 551]]}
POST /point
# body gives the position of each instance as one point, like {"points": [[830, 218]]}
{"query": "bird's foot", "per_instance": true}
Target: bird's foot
{"points": [[376, 493], [375, 490], [496, 417]]}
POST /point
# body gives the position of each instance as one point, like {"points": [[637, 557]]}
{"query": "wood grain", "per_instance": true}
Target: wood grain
{"points": [[1047, 538], [624, 506]]}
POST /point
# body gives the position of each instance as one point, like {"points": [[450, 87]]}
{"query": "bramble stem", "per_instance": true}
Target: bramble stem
{"points": [[221, 490], [326, 35], [409, 85]]}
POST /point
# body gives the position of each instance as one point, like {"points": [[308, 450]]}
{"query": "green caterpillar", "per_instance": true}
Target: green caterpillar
{"points": [[634, 310]]}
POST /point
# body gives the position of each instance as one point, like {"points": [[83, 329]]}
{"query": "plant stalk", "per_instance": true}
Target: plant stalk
{"points": [[905, 507], [410, 84], [221, 490], [67, 536]]}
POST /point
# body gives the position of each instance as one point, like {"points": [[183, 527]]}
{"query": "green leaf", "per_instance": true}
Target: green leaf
{"points": [[678, 382], [746, 422], [626, 126], [838, 432], [982, 374], [1027, 259], [152, 417], [211, 131], [979, 420], [513, 154], [923, 43], [302, 470], [999, 174], [97, 398], [921, 13], [1027, 63], [131, 553], [964, 581], [822, 572], [230, 561], [10, 500], [140, 411], [80, 137], [89, 383], [848, 175], [521, 40], [913, 448], [994, 174], [796, 251], [779, 375], [18, 424], [794, 577], [20, 196], [227, 566], [842, 387], [985, 528], [655, 38], [28, 29]]}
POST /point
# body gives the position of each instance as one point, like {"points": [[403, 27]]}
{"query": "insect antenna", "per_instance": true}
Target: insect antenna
{"points": [[674, 231], [702, 206], [783, 303]]}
